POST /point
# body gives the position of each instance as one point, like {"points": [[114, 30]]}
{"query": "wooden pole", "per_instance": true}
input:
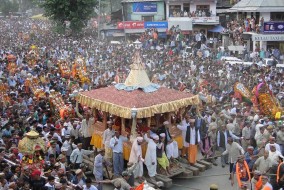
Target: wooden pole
{"points": [[122, 124], [149, 122], [105, 120]]}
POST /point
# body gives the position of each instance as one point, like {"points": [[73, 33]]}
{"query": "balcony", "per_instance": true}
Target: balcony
{"points": [[205, 20]]}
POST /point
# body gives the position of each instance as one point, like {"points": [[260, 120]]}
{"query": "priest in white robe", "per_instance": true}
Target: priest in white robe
{"points": [[151, 155], [172, 149], [136, 157]]}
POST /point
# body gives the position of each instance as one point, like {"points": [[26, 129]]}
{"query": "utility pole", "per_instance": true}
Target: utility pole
{"points": [[110, 6], [99, 19], [123, 20]]}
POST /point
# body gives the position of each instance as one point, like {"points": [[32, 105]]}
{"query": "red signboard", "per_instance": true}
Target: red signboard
{"points": [[130, 25]]}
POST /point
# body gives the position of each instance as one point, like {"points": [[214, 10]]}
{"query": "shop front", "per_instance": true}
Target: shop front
{"points": [[267, 41]]}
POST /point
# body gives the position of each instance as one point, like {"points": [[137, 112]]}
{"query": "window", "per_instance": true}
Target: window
{"points": [[175, 10], [147, 18], [203, 10], [186, 7], [277, 16]]}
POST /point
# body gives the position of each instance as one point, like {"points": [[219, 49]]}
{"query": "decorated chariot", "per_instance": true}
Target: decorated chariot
{"points": [[64, 68], [33, 149], [79, 70], [137, 99], [33, 56], [59, 108]]}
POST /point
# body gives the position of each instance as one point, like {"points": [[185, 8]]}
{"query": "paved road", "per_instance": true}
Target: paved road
{"points": [[216, 175]]}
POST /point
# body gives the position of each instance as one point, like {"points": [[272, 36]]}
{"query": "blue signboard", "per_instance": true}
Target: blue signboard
{"points": [[156, 25], [145, 7], [273, 27]]}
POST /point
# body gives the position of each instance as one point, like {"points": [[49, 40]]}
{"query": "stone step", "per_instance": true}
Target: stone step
{"points": [[167, 181], [205, 163], [194, 170], [200, 167], [187, 174]]}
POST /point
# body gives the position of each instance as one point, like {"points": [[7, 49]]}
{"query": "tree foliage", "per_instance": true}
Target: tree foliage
{"points": [[77, 12], [8, 6]]}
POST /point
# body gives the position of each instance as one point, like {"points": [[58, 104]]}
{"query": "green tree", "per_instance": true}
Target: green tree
{"points": [[77, 12], [8, 6]]}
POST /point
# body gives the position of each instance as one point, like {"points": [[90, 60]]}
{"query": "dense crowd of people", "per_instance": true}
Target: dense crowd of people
{"points": [[250, 142]]}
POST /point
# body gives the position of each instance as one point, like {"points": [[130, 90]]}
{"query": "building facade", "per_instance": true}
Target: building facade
{"points": [[268, 17], [202, 13], [140, 15]]}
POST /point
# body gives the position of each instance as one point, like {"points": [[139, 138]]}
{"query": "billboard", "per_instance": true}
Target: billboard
{"points": [[273, 27], [130, 25], [156, 24], [144, 7]]}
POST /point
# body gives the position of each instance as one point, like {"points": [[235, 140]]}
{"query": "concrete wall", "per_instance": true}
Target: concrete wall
{"points": [[265, 15]]}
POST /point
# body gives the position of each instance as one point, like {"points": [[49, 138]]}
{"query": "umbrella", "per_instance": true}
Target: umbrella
{"points": [[217, 29]]}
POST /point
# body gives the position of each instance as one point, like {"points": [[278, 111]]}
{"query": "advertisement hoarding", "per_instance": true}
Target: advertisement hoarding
{"points": [[144, 7], [273, 27], [130, 25], [156, 25]]}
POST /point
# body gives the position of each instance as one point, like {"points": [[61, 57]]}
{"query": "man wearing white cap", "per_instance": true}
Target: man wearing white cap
{"points": [[136, 157], [87, 127], [107, 135], [261, 139], [183, 127], [161, 156], [272, 142], [151, 155], [274, 154], [193, 138]]}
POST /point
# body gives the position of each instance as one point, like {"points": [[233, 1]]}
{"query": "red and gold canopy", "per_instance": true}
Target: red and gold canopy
{"points": [[120, 102]]}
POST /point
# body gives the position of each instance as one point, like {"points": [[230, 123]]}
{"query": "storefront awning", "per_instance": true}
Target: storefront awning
{"points": [[118, 34], [184, 23]]}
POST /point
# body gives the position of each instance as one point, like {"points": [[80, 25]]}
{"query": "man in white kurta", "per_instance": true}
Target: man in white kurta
{"points": [[136, 157], [151, 155], [172, 149], [107, 135], [98, 167], [87, 127], [183, 127], [76, 156]]}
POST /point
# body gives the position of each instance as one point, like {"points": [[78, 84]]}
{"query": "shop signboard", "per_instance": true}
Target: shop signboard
{"points": [[273, 27], [144, 7], [156, 25], [214, 19], [268, 37], [130, 25]]}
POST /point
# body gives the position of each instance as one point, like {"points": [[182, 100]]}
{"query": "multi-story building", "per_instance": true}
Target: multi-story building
{"points": [[139, 15], [269, 16], [201, 13]]}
